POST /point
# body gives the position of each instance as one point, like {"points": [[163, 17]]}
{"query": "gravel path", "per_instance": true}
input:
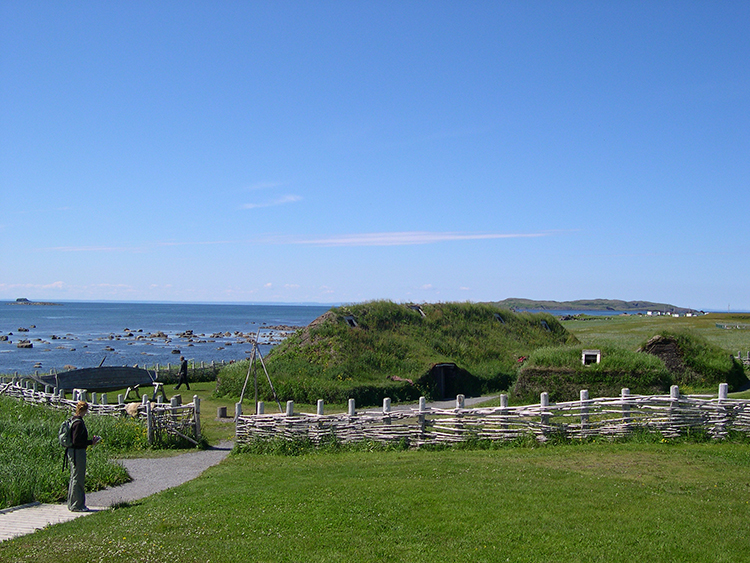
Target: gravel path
{"points": [[152, 475]]}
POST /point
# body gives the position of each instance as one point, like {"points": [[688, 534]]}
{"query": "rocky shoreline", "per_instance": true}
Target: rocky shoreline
{"points": [[152, 344]]}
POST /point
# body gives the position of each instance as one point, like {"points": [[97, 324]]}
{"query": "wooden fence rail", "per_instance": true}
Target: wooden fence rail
{"points": [[670, 415], [173, 418]]}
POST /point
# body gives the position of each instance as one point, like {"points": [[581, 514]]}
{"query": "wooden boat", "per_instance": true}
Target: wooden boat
{"points": [[99, 379]]}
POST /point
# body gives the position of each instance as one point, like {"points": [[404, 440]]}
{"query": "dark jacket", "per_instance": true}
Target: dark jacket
{"points": [[79, 434]]}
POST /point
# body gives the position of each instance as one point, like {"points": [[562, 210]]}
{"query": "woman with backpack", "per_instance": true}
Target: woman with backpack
{"points": [[77, 457]]}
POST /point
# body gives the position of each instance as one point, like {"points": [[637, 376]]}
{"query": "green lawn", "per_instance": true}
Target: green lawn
{"points": [[630, 331], [593, 502]]}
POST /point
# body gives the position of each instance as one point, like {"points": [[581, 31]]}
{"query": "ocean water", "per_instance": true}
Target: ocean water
{"points": [[83, 334]]}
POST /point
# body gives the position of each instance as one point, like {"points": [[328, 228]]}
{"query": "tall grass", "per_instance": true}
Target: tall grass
{"points": [[31, 458]]}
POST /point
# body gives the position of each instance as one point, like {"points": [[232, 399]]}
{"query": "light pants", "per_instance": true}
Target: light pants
{"points": [[77, 486]]}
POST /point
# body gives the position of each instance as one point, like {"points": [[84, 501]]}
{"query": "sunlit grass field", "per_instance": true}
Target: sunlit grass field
{"points": [[588, 502], [630, 331]]}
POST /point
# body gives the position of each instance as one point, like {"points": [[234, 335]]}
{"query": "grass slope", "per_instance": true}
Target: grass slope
{"points": [[591, 305], [393, 343]]}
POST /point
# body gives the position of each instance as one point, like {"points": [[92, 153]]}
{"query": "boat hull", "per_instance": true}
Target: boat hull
{"points": [[100, 379]]}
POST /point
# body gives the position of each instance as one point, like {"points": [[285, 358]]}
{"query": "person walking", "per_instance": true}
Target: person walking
{"points": [[183, 374], [77, 459]]}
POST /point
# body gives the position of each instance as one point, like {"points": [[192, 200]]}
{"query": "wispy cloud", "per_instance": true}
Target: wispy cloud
{"points": [[405, 238], [35, 286], [283, 200], [94, 249]]}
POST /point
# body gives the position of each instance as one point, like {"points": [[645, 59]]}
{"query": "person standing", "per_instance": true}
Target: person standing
{"points": [[183, 374], [77, 459]]}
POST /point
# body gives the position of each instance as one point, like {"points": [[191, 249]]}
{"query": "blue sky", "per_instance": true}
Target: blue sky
{"points": [[348, 151]]}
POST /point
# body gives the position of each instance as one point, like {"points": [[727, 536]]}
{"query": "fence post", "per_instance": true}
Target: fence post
{"points": [[674, 396], [197, 403], [104, 399], [544, 405], [723, 419], [320, 407], [624, 396], [504, 410], [260, 408], [421, 416], [290, 408], [149, 421], [584, 396], [387, 410], [174, 402], [352, 408], [237, 411]]}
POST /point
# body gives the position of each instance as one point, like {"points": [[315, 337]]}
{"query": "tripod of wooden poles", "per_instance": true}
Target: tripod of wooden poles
{"points": [[253, 369]]}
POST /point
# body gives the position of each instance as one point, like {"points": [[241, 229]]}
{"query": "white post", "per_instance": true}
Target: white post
{"points": [[584, 395], [674, 395], [197, 402], [104, 398], [261, 408], [544, 404], [290, 408], [237, 411], [149, 422], [624, 396], [320, 407], [421, 418], [504, 408], [721, 423], [352, 408], [387, 410]]}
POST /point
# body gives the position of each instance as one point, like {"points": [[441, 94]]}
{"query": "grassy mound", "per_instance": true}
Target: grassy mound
{"points": [[694, 361], [681, 358], [382, 349], [561, 374]]}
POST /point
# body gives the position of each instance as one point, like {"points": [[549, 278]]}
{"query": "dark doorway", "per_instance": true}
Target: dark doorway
{"points": [[445, 377]]}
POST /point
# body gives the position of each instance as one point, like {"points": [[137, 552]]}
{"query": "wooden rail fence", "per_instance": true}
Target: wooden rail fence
{"points": [[173, 418], [670, 415]]}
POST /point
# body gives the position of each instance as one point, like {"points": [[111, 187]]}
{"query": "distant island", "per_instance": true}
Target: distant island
{"points": [[614, 305], [24, 301]]}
